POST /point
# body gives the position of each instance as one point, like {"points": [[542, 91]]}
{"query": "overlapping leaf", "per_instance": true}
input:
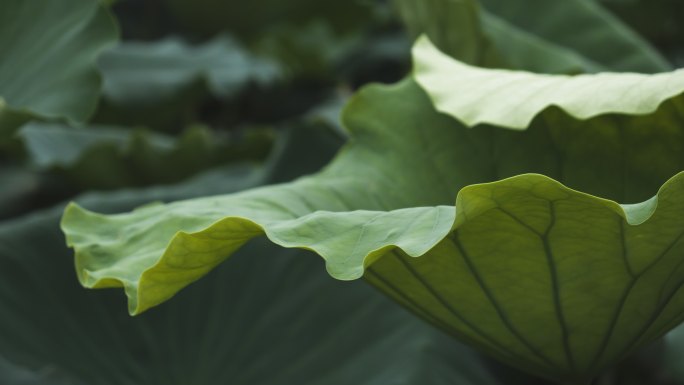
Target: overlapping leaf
{"points": [[48, 53]]}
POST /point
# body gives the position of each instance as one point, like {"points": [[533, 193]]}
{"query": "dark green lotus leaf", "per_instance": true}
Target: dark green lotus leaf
{"points": [[265, 317], [468, 33], [106, 157], [49, 49], [660, 21], [486, 37], [18, 187], [152, 72], [453, 25], [584, 27], [525, 50], [308, 50]]}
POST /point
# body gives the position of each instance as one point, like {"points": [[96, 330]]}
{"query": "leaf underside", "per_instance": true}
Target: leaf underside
{"points": [[514, 98]]}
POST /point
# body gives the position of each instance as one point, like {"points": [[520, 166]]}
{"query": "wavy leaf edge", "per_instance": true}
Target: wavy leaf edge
{"points": [[142, 295], [432, 65]]}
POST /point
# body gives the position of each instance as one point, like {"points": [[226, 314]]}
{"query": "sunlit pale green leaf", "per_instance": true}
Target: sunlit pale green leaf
{"points": [[48, 51], [514, 98]]}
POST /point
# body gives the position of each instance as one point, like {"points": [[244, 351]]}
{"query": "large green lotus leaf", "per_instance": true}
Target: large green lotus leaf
{"points": [[388, 197], [266, 317], [48, 53], [584, 27], [104, 157], [514, 98], [151, 72]]}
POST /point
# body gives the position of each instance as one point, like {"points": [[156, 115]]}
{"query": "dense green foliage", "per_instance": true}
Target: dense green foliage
{"points": [[535, 216]]}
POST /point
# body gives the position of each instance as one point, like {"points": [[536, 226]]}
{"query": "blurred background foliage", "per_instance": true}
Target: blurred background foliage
{"points": [[213, 96]]}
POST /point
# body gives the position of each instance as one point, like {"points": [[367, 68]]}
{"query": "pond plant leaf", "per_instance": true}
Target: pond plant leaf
{"points": [[585, 28], [152, 72], [49, 50], [514, 98], [535, 263]]}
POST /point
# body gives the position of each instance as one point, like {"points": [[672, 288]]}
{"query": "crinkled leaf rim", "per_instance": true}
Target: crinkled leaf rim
{"points": [[633, 214]]}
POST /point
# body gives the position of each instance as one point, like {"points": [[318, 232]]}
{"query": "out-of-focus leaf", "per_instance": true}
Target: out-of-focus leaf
{"points": [[111, 157], [48, 51], [500, 37], [660, 21], [454, 26], [251, 20], [584, 27], [513, 98], [308, 50], [138, 73], [524, 50], [12, 374], [16, 185], [674, 351]]}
